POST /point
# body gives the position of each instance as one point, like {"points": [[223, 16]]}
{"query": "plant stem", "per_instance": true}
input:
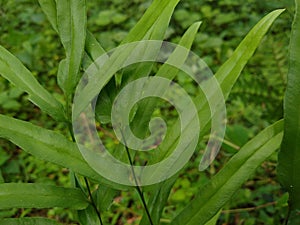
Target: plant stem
{"points": [[92, 200], [138, 187], [249, 209]]}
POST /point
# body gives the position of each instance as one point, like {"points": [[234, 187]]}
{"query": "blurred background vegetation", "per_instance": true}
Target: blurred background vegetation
{"points": [[256, 100]]}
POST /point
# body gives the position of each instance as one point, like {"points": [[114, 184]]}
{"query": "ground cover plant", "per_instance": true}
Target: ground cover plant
{"points": [[91, 194]]}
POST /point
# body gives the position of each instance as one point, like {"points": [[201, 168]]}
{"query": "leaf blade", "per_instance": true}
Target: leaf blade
{"points": [[18, 195], [71, 26], [222, 186], [13, 70], [49, 8], [49, 146], [232, 68], [289, 155], [149, 18]]}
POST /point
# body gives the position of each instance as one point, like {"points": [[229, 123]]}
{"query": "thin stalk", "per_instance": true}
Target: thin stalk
{"points": [[92, 200], [249, 209], [137, 187]]}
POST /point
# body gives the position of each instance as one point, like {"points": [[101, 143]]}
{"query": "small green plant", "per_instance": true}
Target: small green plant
{"points": [[68, 18]]}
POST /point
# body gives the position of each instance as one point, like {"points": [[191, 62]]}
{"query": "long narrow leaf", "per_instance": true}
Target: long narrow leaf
{"points": [[213, 196], [93, 50], [49, 146], [71, 24], [18, 195], [289, 156], [156, 9], [49, 8], [155, 32], [14, 71], [231, 70]]}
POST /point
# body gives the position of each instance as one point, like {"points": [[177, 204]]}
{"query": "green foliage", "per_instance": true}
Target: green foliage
{"points": [[71, 26], [222, 186], [11, 68], [97, 198], [46, 145], [40, 196], [290, 150]]}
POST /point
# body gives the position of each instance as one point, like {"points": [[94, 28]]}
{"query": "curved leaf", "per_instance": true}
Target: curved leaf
{"points": [[231, 69], [18, 195], [71, 25], [49, 146], [213, 196], [150, 17], [289, 156], [13, 70]]}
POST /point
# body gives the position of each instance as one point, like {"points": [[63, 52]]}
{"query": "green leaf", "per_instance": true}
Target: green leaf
{"points": [[49, 8], [28, 221], [231, 69], [156, 32], [49, 146], [289, 156], [93, 50], [213, 196], [71, 24], [18, 195], [150, 17], [14, 71]]}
